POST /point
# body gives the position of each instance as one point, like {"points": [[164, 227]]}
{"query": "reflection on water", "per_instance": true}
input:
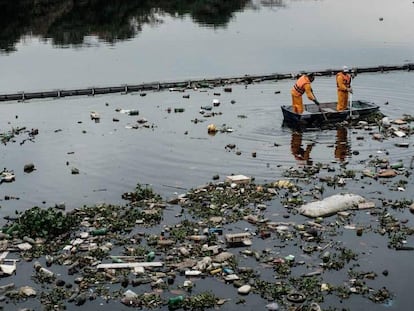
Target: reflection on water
{"points": [[302, 155], [302, 151], [341, 144], [68, 23]]}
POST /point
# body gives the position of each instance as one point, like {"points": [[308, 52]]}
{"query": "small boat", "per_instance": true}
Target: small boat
{"points": [[326, 113]]}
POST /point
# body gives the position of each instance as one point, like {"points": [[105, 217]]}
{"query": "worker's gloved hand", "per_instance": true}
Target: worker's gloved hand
{"points": [[316, 102]]}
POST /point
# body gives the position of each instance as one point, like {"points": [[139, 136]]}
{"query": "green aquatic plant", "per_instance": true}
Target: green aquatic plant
{"points": [[271, 290], [142, 193], [181, 231], [42, 223], [200, 301]]}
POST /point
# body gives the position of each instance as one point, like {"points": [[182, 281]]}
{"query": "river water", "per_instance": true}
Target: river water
{"points": [[174, 152]]}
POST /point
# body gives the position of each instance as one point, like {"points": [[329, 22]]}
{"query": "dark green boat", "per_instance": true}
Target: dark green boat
{"points": [[326, 113]]}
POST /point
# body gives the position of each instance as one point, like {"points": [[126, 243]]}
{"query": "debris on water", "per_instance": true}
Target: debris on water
{"points": [[244, 290], [399, 133], [142, 121], [28, 168], [272, 306], [218, 226], [7, 176], [296, 297], [381, 296], [95, 116], [397, 165], [74, 171], [11, 136], [411, 207], [27, 291], [7, 269], [130, 112], [402, 145], [377, 136], [331, 205], [238, 179], [387, 173], [211, 129]]}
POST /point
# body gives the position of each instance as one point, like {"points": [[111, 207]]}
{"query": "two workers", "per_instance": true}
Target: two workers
{"points": [[303, 85]]}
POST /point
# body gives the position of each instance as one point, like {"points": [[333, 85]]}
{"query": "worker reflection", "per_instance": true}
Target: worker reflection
{"points": [[341, 144], [300, 154]]}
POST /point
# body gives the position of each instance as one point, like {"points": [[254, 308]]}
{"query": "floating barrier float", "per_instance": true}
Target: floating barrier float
{"points": [[190, 84]]}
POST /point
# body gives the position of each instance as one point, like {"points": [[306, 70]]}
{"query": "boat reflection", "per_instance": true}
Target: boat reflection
{"points": [[302, 155]]}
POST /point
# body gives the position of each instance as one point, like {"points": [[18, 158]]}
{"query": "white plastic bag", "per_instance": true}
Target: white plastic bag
{"points": [[331, 205]]}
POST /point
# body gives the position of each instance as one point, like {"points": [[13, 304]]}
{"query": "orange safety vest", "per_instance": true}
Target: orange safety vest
{"points": [[346, 78], [299, 86]]}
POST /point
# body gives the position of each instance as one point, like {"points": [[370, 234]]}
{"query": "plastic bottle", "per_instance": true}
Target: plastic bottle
{"points": [[12, 228], [116, 259], [101, 231], [397, 165], [150, 256], [175, 301], [215, 271]]}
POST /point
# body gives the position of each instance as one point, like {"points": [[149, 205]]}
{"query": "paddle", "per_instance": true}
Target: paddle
{"points": [[320, 109], [351, 115]]}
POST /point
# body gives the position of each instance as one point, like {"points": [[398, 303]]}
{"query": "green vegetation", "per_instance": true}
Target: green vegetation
{"points": [[42, 223]]}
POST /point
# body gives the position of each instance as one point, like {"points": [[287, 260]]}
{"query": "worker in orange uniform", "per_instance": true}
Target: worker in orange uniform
{"points": [[302, 85], [343, 85]]}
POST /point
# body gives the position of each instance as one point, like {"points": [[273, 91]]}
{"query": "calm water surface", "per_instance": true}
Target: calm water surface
{"points": [[176, 153], [296, 35]]}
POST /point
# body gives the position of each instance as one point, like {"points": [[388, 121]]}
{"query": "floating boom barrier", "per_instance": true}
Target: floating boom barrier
{"points": [[189, 84]]}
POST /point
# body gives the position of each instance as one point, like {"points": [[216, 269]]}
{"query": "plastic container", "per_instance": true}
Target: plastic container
{"points": [[192, 273]]}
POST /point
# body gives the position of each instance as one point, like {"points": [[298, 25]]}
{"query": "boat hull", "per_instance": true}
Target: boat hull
{"points": [[327, 114]]}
